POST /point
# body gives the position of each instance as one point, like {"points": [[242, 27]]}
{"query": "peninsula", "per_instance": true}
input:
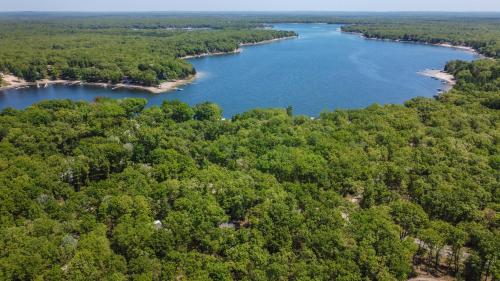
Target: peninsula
{"points": [[118, 57]]}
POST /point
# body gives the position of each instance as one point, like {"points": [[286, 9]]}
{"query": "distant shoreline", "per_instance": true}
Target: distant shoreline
{"points": [[445, 44], [14, 83], [447, 79], [269, 41], [239, 49]]}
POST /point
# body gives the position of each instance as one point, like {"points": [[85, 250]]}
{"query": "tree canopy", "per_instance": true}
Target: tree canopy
{"points": [[115, 190], [114, 50], [111, 190]]}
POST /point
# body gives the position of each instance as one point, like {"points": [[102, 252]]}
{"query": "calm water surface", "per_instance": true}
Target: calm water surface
{"points": [[323, 69]]}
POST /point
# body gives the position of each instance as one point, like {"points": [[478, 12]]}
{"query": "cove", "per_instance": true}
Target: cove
{"points": [[323, 69]]}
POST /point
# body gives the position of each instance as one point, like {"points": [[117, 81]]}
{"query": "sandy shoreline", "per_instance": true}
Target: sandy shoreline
{"points": [[446, 45], [459, 47], [18, 83], [14, 82], [239, 50], [447, 79], [268, 41]]}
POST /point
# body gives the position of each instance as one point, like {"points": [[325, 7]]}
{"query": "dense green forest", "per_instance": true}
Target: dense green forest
{"points": [[113, 191], [480, 34], [115, 50], [146, 49]]}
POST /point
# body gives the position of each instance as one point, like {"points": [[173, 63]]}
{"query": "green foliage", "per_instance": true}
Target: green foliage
{"points": [[177, 111], [479, 75], [480, 33], [258, 196], [376, 233], [207, 111], [485, 258], [114, 50], [111, 190], [411, 217]]}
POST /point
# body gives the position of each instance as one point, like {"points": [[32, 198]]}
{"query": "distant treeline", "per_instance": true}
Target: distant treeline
{"points": [[106, 52], [480, 34], [145, 48]]}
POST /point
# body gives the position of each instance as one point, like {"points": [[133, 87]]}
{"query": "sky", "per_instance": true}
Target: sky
{"points": [[251, 5]]}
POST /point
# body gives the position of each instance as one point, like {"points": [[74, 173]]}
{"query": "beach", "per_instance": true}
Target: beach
{"points": [[446, 45], [459, 47], [14, 82], [239, 50], [445, 77], [268, 41]]}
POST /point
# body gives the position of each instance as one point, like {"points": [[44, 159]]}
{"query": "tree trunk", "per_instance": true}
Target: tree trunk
{"points": [[436, 261], [487, 271]]}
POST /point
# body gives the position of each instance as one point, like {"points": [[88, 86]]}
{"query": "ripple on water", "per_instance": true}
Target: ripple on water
{"points": [[323, 69]]}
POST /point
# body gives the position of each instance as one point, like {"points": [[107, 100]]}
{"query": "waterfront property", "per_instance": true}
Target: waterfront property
{"points": [[322, 69]]}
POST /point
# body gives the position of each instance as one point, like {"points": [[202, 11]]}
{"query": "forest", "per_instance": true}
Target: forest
{"points": [[146, 49], [111, 190], [115, 190], [481, 34], [114, 50]]}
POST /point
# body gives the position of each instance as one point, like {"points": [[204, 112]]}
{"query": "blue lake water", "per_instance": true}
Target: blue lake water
{"points": [[323, 69]]}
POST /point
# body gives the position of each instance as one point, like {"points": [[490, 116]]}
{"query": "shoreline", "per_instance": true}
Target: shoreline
{"points": [[239, 49], [269, 41], [447, 79], [445, 44], [16, 83]]}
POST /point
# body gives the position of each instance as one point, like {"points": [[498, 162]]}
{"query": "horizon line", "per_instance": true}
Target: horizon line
{"points": [[248, 11]]}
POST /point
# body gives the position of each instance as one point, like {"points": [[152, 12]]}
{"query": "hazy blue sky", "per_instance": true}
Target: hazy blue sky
{"points": [[250, 5]]}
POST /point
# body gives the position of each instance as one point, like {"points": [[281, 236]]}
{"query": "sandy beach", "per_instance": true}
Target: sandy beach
{"points": [[14, 82], [237, 51], [465, 48], [446, 45], [268, 41], [447, 79]]}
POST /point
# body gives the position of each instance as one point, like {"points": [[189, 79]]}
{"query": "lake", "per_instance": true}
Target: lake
{"points": [[323, 69]]}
